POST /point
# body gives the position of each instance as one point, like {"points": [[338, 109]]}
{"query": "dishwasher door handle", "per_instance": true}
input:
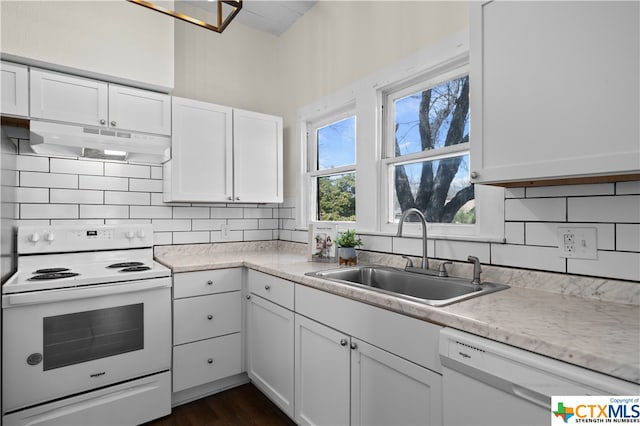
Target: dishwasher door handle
{"points": [[531, 396]]}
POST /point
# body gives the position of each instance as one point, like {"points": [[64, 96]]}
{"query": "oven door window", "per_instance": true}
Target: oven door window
{"points": [[84, 336]]}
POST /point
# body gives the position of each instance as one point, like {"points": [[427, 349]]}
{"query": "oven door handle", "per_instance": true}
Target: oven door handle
{"points": [[65, 294]]}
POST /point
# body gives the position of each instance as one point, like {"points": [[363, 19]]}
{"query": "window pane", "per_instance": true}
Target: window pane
{"points": [[337, 144], [337, 197], [433, 118], [439, 188]]}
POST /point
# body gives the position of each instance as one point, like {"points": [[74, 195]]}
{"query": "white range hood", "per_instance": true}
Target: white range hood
{"points": [[65, 139]]}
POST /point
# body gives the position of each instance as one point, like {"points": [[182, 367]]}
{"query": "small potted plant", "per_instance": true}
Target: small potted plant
{"points": [[347, 243]]}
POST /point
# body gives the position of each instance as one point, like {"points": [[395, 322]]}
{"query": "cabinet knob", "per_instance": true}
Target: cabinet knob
{"points": [[209, 317], [267, 287], [210, 282], [103, 121], [474, 175], [230, 198], [210, 361], [354, 345], [113, 123], [248, 296], [237, 198], [343, 342]]}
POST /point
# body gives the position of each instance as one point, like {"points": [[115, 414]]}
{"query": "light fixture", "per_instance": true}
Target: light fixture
{"points": [[220, 11]]}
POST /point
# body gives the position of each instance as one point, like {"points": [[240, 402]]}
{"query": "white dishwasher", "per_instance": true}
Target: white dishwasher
{"points": [[485, 382]]}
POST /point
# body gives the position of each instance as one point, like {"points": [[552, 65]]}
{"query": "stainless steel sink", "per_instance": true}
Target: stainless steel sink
{"points": [[428, 289]]}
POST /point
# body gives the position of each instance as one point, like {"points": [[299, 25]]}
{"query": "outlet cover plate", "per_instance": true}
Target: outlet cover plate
{"points": [[578, 242]]}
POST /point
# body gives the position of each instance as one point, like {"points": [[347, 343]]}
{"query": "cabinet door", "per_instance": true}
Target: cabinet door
{"points": [[15, 89], [322, 374], [386, 389], [62, 97], [257, 157], [554, 89], [139, 110], [202, 153], [270, 351]]}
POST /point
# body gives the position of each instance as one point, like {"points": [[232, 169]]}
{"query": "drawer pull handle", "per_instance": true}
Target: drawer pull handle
{"points": [[209, 282], [210, 361], [209, 317], [267, 287]]}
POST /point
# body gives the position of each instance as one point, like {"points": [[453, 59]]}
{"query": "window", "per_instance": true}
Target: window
{"points": [[332, 168], [427, 147]]}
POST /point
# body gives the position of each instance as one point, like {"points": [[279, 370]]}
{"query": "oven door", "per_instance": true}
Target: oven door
{"points": [[58, 343]]}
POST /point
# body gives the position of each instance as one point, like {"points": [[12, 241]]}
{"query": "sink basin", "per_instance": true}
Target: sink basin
{"points": [[428, 289]]}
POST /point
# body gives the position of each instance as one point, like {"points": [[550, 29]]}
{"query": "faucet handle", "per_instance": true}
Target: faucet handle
{"points": [[442, 269], [477, 269], [409, 262]]}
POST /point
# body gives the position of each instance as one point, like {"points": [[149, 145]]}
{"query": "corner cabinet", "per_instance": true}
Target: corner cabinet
{"points": [[66, 98], [222, 154], [15, 90], [554, 91]]}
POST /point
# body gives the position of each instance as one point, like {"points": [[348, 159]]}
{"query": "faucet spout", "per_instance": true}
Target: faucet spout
{"points": [[423, 221]]}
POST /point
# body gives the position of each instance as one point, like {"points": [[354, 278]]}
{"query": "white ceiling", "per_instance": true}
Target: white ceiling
{"points": [[272, 16]]}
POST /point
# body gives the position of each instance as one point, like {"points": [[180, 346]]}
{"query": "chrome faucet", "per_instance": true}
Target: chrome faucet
{"points": [[423, 221], [477, 270]]}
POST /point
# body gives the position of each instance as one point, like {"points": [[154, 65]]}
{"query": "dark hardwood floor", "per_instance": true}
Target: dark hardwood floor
{"points": [[243, 405]]}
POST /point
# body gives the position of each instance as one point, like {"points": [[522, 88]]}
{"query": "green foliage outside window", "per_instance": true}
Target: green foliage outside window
{"points": [[337, 197]]}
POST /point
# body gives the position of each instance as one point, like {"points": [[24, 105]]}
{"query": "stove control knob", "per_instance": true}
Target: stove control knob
{"points": [[50, 236], [141, 234], [129, 235], [35, 237]]}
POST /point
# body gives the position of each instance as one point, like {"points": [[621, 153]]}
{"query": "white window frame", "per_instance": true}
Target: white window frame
{"points": [[365, 96]]}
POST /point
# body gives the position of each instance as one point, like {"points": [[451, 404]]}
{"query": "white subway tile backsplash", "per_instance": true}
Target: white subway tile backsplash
{"points": [[268, 223], [546, 234], [104, 211], [610, 264], [32, 163], [193, 237], [156, 172], [48, 180], [627, 237], [535, 209], [207, 224], [76, 196], [289, 224], [163, 225], [156, 200], [514, 232], [145, 185], [258, 235], [285, 235], [33, 222], [626, 188], [237, 224], [78, 222], [128, 198], [226, 213], [411, 246], [543, 258], [32, 195], [300, 236], [258, 213], [460, 250], [624, 208], [571, 190], [127, 221], [151, 212], [377, 243], [191, 212], [76, 167], [104, 183], [216, 236], [48, 211], [127, 170], [162, 238]]}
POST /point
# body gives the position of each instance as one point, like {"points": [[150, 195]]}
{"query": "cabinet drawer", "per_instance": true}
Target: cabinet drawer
{"points": [[202, 362], [271, 288], [199, 318], [200, 283]]}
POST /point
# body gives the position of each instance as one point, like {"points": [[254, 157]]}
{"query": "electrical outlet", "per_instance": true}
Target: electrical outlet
{"points": [[226, 232], [577, 242]]}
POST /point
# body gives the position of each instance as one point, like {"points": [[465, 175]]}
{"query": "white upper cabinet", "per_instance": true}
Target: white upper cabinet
{"points": [[201, 167], [257, 173], [554, 90], [62, 97], [15, 89], [221, 154]]}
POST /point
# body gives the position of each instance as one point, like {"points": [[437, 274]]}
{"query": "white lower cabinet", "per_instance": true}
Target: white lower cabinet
{"points": [[270, 337], [207, 324], [341, 379]]}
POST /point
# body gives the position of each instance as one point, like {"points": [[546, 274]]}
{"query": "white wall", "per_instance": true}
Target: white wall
{"points": [[118, 40]]}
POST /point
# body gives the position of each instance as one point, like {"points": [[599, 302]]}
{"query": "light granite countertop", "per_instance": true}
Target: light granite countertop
{"points": [[599, 335]]}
